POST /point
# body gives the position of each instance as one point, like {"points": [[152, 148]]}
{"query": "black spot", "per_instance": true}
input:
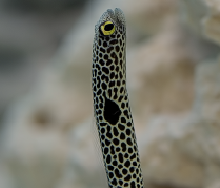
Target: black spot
{"points": [[117, 69], [105, 56], [126, 97], [102, 50], [134, 163], [103, 77], [138, 160], [118, 149], [110, 174], [113, 42], [104, 87], [122, 136], [120, 55], [100, 105], [130, 150], [105, 44], [113, 55], [117, 48], [99, 112], [105, 70], [112, 75], [111, 83], [126, 185], [112, 67], [96, 106], [114, 182], [101, 62], [122, 105], [102, 137], [107, 142], [109, 92], [120, 73], [110, 49], [108, 159], [120, 166], [100, 55], [129, 142], [131, 169], [99, 92], [134, 176], [101, 99], [121, 127], [122, 89], [132, 185], [99, 73], [120, 182], [118, 82], [95, 72], [106, 38], [112, 111], [117, 173], [100, 118], [127, 164], [109, 62], [97, 100], [102, 37], [115, 130], [109, 135], [121, 62], [132, 157], [112, 150], [105, 150], [123, 120], [120, 157], [129, 124], [116, 141], [138, 180], [126, 155], [123, 146], [97, 66], [116, 91], [128, 132], [102, 130], [124, 171], [115, 163], [120, 42], [102, 124], [126, 113], [127, 178], [110, 167], [116, 77], [120, 98]]}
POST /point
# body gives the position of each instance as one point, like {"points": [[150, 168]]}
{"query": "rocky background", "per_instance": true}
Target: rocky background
{"points": [[48, 137]]}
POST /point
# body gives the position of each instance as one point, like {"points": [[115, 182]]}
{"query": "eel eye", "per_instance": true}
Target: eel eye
{"points": [[108, 28]]}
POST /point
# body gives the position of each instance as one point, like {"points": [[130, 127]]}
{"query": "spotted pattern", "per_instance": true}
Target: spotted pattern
{"points": [[111, 105]]}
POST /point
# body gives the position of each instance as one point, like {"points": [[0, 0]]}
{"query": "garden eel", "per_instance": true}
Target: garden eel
{"points": [[111, 108]]}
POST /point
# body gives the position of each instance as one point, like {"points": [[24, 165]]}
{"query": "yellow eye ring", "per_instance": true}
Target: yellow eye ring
{"points": [[108, 28]]}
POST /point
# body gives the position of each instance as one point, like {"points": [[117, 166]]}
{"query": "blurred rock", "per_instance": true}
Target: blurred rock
{"points": [[184, 151], [161, 73], [148, 17], [43, 5], [212, 19], [192, 13]]}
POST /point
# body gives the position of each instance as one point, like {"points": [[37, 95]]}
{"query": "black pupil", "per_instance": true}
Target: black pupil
{"points": [[109, 27]]}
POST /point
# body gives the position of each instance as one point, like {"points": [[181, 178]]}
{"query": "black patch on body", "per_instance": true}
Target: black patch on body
{"points": [[112, 111]]}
